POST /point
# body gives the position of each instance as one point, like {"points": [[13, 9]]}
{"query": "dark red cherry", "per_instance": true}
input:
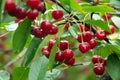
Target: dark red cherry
{"points": [[92, 43], [98, 69], [33, 3], [87, 36], [97, 59], [54, 30], [10, 5], [79, 38], [32, 14], [58, 56], [67, 54], [21, 13], [46, 26], [63, 44], [100, 34], [84, 47], [41, 7], [39, 32], [106, 16], [51, 43], [70, 61], [82, 27], [66, 26], [57, 14]]}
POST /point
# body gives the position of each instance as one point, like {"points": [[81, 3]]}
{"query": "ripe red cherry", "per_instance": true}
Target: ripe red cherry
{"points": [[97, 59], [79, 37], [66, 26], [112, 29], [58, 56], [41, 7], [82, 27], [92, 43], [70, 61], [39, 32], [67, 54], [87, 36], [100, 34], [54, 30], [106, 16], [57, 14], [63, 44], [32, 14], [21, 13], [84, 47], [10, 5], [46, 51], [98, 69], [33, 3], [46, 26], [51, 43]]}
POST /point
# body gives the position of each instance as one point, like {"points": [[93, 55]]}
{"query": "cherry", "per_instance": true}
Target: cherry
{"points": [[51, 43], [39, 32], [33, 3], [46, 26], [112, 29], [70, 61], [87, 36], [41, 7], [54, 30], [58, 56], [100, 34], [67, 54], [97, 59], [79, 37], [84, 47], [98, 69], [92, 43], [21, 13], [81, 27], [10, 5], [63, 44], [57, 14], [46, 51], [66, 26], [32, 14], [106, 16]]}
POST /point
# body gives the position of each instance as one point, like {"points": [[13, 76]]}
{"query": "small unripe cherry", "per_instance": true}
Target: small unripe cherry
{"points": [[57, 14], [70, 62], [98, 69], [63, 44], [67, 54], [100, 34], [84, 47]]}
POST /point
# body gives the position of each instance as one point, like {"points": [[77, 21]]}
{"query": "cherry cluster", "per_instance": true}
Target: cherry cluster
{"points": [[99, 64], [46, 27], [63, 54], [86, 38], [21, 13]]}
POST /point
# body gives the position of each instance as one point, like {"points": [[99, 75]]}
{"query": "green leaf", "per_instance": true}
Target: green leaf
{"points": [[113, 66], [20, 36], [52, 75], [52, 55], [74, 5], [103, 25], [1, 10], [38, 69], [72, 32], [99, 8], [116, 20], [20, 73], [4, 75], [31, 50]]}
